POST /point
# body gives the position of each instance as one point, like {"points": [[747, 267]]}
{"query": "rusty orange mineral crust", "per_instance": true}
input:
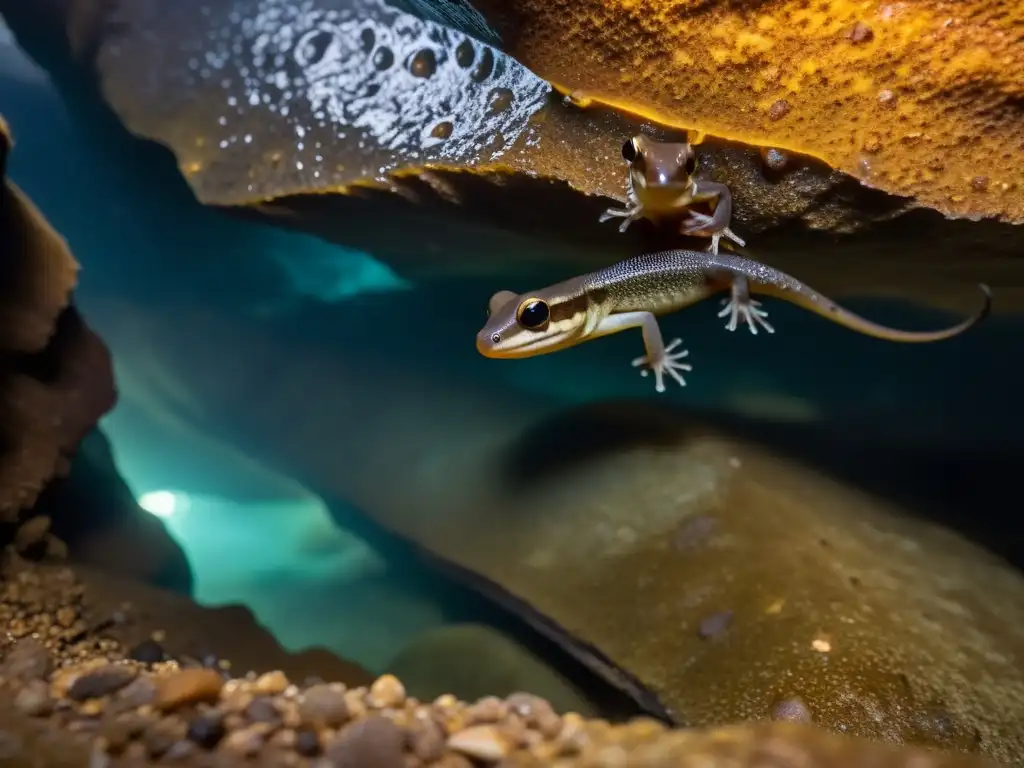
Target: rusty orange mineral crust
{"points": [[923, 98]]}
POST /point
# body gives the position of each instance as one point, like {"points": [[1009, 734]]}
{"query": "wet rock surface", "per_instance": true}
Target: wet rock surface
{"points": [[623, 529], [73, 698], [287, 114], [830, 80], [56, 379]]}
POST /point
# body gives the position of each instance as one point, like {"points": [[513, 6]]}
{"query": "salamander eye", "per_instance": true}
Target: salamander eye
{"points": [[629, 151], [533, 313]]}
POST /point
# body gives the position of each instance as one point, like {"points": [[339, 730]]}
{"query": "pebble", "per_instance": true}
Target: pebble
{"points": [[715, 624], [33, 531], [307, 743], [147, 652], [28, 660], [262, 710], [386, 691], [34, 699], [247, 741], [323, 706], [483, 742], [536, 712], [138, 693], [103, 682], [162, 735], [188, 686], [373, 742], [427, 741], [487, 710], [792, 710], [272, 683], [206, 731]]}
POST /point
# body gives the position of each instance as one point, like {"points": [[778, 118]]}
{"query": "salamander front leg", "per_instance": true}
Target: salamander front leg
{"points": [[630, 213], [660, 358], [740, 307]]}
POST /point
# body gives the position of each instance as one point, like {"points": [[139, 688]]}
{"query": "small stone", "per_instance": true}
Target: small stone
{"points": [[148, 652], [282, 739], [386, 691], [138, 693], [188, 686], [979, 183], [861, 33], [489, 709], [180, 750], [206, 731], [778, 110], [27, 660], [427, 741], [715, 624], [247, 741], [262, 710], [373, 742], [307, 743], [34, 699], [536, 712], [272, 683], [323, 707], [482, 742], [33, 531], [91, 708], [66, 616], [162, 735], [118, 732], [791, 710], [103, 682], [886, 97]]}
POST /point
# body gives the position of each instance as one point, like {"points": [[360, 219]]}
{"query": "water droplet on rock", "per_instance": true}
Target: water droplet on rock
{"points": [[464, 54], [442, 130], [485, 67], [500, 99], [423, 63], [383, 58]]}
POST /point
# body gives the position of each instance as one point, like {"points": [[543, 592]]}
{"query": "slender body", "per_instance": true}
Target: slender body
{"points": [[632, 293], [661, 186]]}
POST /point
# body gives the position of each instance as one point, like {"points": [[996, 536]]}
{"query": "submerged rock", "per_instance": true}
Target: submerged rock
{"points": [[620, 529]]}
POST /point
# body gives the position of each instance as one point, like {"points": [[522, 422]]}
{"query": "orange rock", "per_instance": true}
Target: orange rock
{"points": [[923, 98]]}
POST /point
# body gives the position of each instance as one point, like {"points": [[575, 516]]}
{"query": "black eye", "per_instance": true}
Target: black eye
{"points": [[495, 338], [533, 313], [629, 151], [691, 164]]}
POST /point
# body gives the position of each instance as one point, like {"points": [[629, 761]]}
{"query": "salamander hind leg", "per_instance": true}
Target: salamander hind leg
{"points": [[739, 307]]}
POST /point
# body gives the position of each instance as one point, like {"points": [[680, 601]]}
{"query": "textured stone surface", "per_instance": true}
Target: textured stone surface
{"points": [[922, 98], [174, 713], [624, 530], [57, 379], [270, 117]]}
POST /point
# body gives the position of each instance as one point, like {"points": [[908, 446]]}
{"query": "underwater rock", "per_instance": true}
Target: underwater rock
{"points": [[57, 380], [151, 714], [883, 625], [288, 114], [908, 98], [476, 661]]}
